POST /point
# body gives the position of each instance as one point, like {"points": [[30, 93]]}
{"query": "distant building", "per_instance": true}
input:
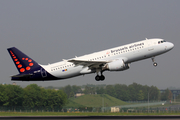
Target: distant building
{"points": [[3, 83], [14, 83], [79, 94], [82, 89], [114, 109]]}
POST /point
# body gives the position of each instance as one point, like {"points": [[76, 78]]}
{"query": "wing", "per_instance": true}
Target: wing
{"points": [[90, 64]]}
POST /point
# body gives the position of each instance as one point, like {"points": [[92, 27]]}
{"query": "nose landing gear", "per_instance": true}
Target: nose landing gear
{"points": [[154, 63]]}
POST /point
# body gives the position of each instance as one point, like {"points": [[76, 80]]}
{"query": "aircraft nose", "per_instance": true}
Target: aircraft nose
{"points": [[171, 45]]}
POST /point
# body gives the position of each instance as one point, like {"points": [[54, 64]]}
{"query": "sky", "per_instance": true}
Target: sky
{"points": [[51, 30]]}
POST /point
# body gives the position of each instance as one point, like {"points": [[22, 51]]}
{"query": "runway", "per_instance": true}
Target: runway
{"points": [[91, 117]]}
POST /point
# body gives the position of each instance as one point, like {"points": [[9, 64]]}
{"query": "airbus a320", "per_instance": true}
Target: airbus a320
{"points": [[114, 59]]}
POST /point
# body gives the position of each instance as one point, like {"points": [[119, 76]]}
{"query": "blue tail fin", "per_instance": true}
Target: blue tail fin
{"points": [[23, 63]]}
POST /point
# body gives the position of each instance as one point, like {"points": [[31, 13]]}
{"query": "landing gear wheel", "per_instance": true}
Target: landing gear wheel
{"points": [[97, 78], [102, 77], [155, 64], [153, 60]]}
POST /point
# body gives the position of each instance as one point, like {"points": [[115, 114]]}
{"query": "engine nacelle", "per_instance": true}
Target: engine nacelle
{"points": [[86, 70], [117, 65]]}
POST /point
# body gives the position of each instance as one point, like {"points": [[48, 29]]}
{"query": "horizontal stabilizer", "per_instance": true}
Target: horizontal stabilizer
{"points": [[21, 75]]}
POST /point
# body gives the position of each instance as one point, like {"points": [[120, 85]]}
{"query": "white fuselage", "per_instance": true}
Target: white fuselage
{"points": [[129, 53]]}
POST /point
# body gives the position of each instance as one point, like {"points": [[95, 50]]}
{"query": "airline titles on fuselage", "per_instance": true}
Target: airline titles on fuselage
{"points": [[128, 47]]}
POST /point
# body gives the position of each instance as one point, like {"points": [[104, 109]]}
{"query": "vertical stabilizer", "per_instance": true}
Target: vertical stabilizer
{"points": [[23, 63]]}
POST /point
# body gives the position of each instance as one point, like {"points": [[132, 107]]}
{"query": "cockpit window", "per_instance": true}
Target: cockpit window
{"points": [[161, 41]]}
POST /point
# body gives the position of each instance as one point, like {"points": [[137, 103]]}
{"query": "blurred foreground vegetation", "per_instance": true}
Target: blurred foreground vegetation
{"points": [[30, 97]]}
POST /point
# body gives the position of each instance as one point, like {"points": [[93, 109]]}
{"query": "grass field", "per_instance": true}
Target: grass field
{"points": [[80, 114], [95, 101]]}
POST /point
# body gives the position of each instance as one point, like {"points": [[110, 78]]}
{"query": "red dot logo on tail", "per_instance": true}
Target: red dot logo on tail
{"points": [[22, 70], [19, 65], [29, 60], [28, 68], [31, 64]]}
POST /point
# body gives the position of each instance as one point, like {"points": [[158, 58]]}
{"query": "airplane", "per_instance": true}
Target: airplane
{"points": [[114, 59]]}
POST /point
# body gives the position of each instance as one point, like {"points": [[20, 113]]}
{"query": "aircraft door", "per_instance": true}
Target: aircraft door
{"points": [[43, 73], [150, 46]]}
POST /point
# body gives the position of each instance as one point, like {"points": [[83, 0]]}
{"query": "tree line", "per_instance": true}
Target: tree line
{"points": [[32, 96], [132, 92]]}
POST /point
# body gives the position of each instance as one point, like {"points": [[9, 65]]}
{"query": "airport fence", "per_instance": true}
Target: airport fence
{"points": [[30, 109], [92, 109]]}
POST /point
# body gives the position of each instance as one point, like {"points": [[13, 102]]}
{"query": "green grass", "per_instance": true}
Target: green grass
{"points": [[79, 114], [95, 101], [73, 104]]}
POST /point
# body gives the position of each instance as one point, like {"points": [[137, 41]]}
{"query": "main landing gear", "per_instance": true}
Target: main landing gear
{"points": [[100, 77], [154, 63]]}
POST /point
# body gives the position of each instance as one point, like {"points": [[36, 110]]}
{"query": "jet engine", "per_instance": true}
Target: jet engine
{"points": [[117, 65]]}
